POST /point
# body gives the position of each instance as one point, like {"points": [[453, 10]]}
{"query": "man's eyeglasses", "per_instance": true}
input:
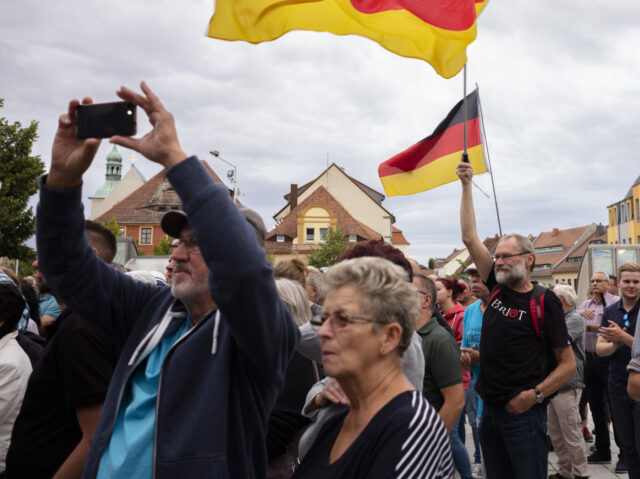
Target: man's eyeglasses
{"points": [[189, 244], [341, 319], [626, 320], [507, 256], [597, 280]]}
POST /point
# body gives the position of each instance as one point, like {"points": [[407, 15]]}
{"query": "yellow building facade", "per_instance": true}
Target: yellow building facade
{"points": [[624, 218]]}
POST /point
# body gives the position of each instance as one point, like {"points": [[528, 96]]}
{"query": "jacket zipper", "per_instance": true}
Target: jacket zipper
{"points": [[155, 425]]}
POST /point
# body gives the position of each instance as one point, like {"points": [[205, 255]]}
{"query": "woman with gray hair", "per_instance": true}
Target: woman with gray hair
{"points": [[390, 430]]}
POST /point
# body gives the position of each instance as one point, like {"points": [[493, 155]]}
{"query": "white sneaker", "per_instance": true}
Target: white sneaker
{"points": [[476, 471]]}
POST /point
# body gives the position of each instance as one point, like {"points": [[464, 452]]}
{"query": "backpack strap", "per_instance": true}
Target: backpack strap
{"points": [[536, 307], [494, 292]]}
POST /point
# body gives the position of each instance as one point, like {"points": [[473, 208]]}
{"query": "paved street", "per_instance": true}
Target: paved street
{"points": [[596, 471]]}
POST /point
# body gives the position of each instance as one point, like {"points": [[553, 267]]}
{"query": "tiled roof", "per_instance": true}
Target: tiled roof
{"points": [[372, 193], [321, 197], [397, 237], [559, 237], [142, 205], [579, 252], [630, 192]]}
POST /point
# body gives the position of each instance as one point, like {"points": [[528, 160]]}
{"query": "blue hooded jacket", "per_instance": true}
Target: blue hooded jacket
{"points": [[220, 380]]}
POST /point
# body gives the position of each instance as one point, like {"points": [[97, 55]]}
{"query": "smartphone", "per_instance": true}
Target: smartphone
{"points": [[103, 120]]}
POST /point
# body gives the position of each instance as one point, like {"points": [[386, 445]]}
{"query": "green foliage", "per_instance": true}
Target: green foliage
{"points": [[432, 263], [330, 251], [270, 257], [459, 274], [113, 225], [163, 247], [19, 175], [25, 268]]}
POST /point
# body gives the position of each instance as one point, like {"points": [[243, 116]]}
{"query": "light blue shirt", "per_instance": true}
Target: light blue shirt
{"points": [[130, 449], [472, 328], [49, 306]]}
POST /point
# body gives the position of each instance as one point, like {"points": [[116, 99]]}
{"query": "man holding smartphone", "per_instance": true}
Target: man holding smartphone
{"points": [[202, 363]]}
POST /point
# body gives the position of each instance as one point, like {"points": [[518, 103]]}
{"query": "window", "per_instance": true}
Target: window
{"points": [[122, 230], [145, 235], [637, 210], [353, 238], [624, 241], [280, 238], [323, 234], [569, 281], [310, 235], [557, 281]]}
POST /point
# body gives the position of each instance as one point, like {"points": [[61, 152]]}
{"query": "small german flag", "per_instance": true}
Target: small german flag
{"points": [[437, 31], [432, 162]]}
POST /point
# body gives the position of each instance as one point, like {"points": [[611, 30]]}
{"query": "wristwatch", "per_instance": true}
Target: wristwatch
{"points": [[539, 395]]}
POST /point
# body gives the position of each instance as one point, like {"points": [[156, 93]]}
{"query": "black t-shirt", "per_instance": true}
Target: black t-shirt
{"points": [[619, 360], [511, 355], [75, 370], [406, 438]]}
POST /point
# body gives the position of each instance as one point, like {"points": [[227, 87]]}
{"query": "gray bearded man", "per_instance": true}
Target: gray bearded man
{"points": [[514, 381]]}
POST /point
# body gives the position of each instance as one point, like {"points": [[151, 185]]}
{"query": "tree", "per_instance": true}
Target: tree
{"points": [[163, 247], [19, 175], [461, 272], [432, 263], [330, 251], [113, 225]]}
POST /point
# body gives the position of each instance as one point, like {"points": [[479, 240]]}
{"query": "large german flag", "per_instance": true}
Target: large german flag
{"points": [[432, 162], [437, 31]]}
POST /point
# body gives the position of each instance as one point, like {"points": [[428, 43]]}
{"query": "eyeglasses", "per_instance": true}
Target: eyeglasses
{"points": [[189, 244], [597, 280], [626, 320], [340, 319], [507, 256]]}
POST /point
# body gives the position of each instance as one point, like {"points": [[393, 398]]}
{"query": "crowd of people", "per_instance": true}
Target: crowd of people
{"points": [[230, 367]]}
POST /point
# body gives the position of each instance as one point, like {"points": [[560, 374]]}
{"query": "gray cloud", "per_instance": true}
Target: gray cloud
{"points": [[558, 88]]}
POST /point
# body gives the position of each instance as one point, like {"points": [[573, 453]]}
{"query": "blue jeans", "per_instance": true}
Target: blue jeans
{"points": [[514, 446], [459, 452], [471, 408], [625, 413]]}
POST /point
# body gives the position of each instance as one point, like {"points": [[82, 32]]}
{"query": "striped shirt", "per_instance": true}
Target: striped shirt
{"points": [[406, 439]]}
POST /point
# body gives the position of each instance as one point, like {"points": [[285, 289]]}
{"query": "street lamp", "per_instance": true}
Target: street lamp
{"points": [[232, 175]]}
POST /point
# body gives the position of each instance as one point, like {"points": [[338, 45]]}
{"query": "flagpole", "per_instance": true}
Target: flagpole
{"points": [[486, 147], [465, 156]]}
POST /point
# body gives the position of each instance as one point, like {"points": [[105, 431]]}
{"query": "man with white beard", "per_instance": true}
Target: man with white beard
{"points": [[523, 327]]}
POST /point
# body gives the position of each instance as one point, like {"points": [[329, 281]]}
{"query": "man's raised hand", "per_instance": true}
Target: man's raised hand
{"points": [[464, 171], [70, 156], [161, 143]]}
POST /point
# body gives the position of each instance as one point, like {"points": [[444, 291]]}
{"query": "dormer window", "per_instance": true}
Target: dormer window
{"points": [[280, 238]]}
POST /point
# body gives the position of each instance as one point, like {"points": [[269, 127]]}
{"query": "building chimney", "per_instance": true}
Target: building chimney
{"points": [[293, 196], [555, 232]]}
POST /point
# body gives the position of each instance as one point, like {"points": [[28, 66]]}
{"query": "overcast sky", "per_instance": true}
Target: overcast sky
{"points": [[558, 84]]}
